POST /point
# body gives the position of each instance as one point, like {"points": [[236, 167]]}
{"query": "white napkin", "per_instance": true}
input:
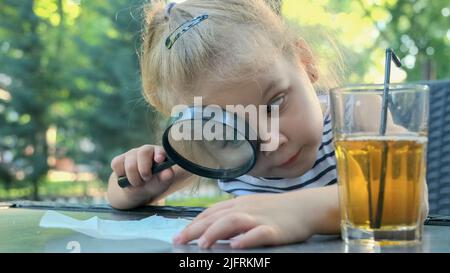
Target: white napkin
{"points": [[153, 227]]}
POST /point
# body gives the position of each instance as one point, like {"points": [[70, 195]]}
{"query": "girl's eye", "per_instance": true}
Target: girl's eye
{"points": [[278, 101], [232, 143]]}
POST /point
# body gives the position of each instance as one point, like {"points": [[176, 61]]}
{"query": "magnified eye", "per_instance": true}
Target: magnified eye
{"points": [[278, 101], [232, 143]]}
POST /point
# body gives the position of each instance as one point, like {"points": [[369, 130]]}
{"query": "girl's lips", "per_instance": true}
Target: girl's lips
{"points": [[291, 160]]}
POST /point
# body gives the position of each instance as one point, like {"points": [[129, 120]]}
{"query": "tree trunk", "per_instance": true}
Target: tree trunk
{"points": [[38, 137], [35, 193], [428, 71], [40, 163]]}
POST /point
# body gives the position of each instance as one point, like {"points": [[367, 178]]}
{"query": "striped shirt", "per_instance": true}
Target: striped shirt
{"points": [[323, 173]]}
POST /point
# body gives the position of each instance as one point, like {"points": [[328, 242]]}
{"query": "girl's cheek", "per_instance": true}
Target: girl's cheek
{"points": [[316, 131], [311, 133]]}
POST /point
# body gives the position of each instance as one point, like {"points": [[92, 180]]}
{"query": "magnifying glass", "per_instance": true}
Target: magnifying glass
{"points": [[228, 152]]}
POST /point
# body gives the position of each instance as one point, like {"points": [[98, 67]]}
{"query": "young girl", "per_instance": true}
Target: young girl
{"points": [[240, 53]]}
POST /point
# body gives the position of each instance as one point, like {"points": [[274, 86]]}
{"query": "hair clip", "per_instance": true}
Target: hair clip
{"points": [[168, 9], [173, 37]]}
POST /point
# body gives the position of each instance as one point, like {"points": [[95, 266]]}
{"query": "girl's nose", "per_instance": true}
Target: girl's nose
{"points": [[274, 141]]}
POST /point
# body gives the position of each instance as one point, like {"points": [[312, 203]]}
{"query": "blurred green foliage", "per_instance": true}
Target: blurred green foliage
{"points": [[417, 30], [73, 67]]}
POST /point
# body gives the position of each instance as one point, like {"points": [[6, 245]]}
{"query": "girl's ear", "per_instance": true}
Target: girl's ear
{"points": [[307, 59]]}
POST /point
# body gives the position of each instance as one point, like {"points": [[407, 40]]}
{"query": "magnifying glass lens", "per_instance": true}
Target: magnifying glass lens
{"points": [[225, 150]]}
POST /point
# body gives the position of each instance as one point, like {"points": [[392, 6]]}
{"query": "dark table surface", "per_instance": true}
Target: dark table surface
{"points": [[20, 232]]}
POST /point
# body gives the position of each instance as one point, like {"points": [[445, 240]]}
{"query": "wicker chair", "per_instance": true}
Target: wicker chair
{"points": [[438, 157]]}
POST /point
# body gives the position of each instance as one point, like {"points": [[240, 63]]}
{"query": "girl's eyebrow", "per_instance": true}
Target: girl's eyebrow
{"points": [[269, 88]]}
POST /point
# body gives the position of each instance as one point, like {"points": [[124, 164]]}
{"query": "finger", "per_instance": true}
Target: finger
{"points": [[215, 208], [159, 157], [211, 212], [159, 154], [259, 236], [197, 227], [131, 169], [117, 165], [225, 228], [145, 161], [166, 174]]}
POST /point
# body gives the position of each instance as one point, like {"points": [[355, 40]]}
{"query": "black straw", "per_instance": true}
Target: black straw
{"points": [[390, 55]]}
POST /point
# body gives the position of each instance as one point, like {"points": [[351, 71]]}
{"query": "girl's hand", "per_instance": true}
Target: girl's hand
{"points": [[263, 219], [136, 165]]}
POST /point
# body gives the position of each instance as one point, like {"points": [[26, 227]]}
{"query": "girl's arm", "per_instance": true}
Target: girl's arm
{"points": [[267, 219]]}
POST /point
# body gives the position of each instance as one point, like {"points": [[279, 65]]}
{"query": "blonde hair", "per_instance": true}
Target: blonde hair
{"points": [[239, 38]]}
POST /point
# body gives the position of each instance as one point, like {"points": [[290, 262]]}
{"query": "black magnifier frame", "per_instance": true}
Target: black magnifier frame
{"points": [[173, 157]]}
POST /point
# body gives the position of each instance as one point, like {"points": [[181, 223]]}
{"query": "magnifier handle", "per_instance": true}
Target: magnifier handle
{"points": [[156, 168]]}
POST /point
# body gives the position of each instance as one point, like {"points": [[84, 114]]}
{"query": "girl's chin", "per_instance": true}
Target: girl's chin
{"points": [[292, 170]]}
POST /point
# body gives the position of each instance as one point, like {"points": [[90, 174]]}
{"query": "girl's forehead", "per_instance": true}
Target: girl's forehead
{"points": [[246, 90]]}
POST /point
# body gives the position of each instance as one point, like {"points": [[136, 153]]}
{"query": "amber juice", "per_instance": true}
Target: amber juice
{"points": [[381, 182]]}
